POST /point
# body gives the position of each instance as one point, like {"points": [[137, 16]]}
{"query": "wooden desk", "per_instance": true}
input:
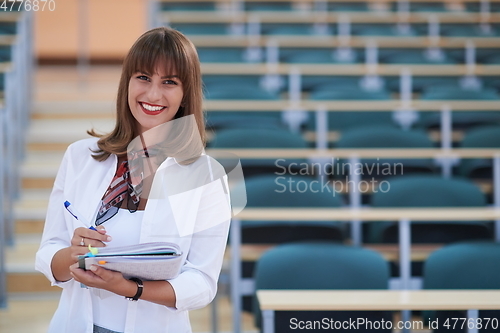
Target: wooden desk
{"points": [[374, 300], [344, 105], [377, 300], [370, 214], [310, 17], [333, 42], [358, 152], [349, 69], [390, 252]]}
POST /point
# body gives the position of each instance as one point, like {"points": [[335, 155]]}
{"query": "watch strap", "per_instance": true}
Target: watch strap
{"points": [[140, 286]]}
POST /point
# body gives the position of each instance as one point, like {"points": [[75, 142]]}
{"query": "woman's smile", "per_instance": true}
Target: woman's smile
{"points": [[152, 109]]}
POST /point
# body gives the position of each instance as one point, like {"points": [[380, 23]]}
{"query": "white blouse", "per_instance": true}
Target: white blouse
{"points": [[190, 207], [109, 309]]}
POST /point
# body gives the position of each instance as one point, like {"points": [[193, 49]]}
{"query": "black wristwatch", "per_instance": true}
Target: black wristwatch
{"points": [[140, 286]]}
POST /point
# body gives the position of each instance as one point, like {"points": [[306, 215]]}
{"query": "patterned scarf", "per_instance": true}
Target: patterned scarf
{"points": [[120, 189]]}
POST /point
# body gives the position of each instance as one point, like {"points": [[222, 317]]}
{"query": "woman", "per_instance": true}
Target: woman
{"points": [[146, 181]]}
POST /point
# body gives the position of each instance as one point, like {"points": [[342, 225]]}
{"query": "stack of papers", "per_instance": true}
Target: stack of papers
{"points": [[147, 261]]}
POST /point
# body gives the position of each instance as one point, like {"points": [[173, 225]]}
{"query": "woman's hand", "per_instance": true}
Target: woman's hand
{"points": [[82, 238], [102, 278]]}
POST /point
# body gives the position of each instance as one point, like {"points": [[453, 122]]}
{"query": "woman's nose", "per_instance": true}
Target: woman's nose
{"points": [[154, 93]]}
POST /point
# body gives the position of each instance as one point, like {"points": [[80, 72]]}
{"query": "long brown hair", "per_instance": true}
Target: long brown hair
{"points": [[157, 46]]}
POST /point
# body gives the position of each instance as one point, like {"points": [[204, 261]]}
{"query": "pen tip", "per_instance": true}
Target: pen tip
{"points": [[66, 204]]}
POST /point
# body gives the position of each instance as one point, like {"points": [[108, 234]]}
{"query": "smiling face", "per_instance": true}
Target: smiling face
{"points": [[154, 98]]}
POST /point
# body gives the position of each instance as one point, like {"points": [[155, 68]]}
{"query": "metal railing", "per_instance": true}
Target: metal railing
{"points": [[14, 118]]}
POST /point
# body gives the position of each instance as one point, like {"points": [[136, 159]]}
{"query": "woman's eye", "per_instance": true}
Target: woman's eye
{"points": [[170, 82], [142, 77]]}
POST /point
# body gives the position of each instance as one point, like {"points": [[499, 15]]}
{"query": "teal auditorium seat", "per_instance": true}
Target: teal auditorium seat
{"points": [[476, 7], [419, 83], [463, 266], [214, 80], [221, 120], [267, 5], [346, 120], [371, 136], [8, 28], [460, 119], [261, 138], [493, 59], [429, 191], [346, 92], [5, 53], [348, 6], [201, 28], [416, 56], [455, 92], [281, 191], [230, 54], [286, 190], [483, 56], [286, 29], [182, 6], [464, 30], [493, 82], [377, 30], [316, 56], [348, 89], [233, 87], [321, 266], [312, 83], [428, 6], [235, 91], [480, 137]]}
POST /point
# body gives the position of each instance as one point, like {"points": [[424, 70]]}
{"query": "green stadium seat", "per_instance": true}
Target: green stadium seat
{"points": [[412, 191], [416, 56], [480, 137], [184, 6], [287, 29], [268, 5], [348, 6], [383, 136], [346, 92], [309, 56], [452, 93], [201, 28], [281, 191], [229, 54], [321, 266], [463, 266], [260, 138]]}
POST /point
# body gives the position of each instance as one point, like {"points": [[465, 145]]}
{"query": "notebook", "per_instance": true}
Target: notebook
{"points": [[147, 261]]}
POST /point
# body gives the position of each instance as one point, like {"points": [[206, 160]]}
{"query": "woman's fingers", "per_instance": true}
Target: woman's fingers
{"points": [[86, 237]]}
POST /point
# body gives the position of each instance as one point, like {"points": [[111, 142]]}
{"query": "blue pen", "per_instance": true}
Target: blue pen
{"points": [[77, 215]]}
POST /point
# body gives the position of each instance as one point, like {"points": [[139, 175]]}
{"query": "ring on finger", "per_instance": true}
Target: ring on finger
{"points": [[82, 242]]}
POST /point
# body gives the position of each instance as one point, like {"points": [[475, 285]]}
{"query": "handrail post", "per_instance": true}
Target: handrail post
{"points": [[355, 200], [235, 237]]}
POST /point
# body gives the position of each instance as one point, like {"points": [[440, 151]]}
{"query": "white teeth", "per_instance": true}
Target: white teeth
{"points": [[151, 108]]}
